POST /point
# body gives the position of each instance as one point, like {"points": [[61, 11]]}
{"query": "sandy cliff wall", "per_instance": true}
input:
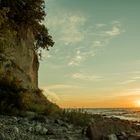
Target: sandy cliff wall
{"points": [[22, 61]]}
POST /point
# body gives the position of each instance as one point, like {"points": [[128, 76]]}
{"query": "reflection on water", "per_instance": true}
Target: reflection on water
{"points": [[122, 113]]}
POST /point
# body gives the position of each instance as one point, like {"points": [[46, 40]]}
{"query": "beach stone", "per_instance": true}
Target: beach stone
{"points": [[15, 118], [44, 131], [17, 138], [112, 137], [57, 121], [68, 138], [16, 130], [65, 125], [30, 129], [84, 131], [92, 132], [39, 118], [38, 128], [2, 136], [24, 122], [64, 130], [123, 134], [133, 137], [7, 138], [50, 132]]}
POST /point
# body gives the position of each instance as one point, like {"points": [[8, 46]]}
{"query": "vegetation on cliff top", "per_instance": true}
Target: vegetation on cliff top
{"points": [[17, 16]]}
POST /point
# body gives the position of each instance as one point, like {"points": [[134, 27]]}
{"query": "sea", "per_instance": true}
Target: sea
{"points": [[132, 114]]}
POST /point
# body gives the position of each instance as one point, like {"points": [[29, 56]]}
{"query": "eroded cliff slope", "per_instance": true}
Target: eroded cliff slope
{"points": [[21, 60]]}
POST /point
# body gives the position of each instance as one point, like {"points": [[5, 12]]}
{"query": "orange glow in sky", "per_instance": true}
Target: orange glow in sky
{"points": [[95, 62], [137, 103], [99, 104]]}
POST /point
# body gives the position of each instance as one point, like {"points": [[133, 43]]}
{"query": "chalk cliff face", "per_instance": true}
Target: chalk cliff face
{"points": [[22, 61]]}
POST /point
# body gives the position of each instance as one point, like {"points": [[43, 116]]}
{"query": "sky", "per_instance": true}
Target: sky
{"points": [[95, 62]]}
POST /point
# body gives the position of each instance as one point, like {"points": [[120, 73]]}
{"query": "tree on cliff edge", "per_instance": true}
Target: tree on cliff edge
{"points": [[27, 15], [17, 18]]}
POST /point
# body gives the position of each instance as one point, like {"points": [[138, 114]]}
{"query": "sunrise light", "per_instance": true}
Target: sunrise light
{"points": [[137, 103]]}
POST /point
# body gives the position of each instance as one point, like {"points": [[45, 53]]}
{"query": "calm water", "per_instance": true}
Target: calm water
{"points": [[122, 113]]}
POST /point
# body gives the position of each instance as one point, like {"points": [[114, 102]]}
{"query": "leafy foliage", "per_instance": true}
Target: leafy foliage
{"points": [[25, 11], [27, 15], [9, 89], [3, 16], [42, 38]]}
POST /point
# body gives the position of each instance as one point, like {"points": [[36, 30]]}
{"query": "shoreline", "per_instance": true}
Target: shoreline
{"points": [[40, 127]]}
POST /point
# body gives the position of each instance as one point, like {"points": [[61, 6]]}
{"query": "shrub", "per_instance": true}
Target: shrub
{"points": [[77, 117], [9, 88], [14, 98]]}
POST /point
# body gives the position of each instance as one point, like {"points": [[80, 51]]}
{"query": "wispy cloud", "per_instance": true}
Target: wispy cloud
{"points": [[61, 86], [136, 77], [135, 72], [106, 32], [98, 43], [113, 32], [76, 60], [68, 27], [127, 82], [134, 90], [130, 80], [72, 33], [79, 57], [87, 77], [99, 25]]}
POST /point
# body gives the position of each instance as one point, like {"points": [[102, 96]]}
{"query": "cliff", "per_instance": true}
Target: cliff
{"points": [[22, 34], [21, 60]]}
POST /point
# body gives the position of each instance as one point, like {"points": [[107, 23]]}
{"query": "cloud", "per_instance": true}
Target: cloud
{"points": [[135, 90], [61, 86], [113, 32], [72, 32], [76, 60], [127, 82], [69, 26], [136, 77], [75, 32], [98, 43], [99, 25], [130, 80], [135, 72], [79, 57], [87, 77]]}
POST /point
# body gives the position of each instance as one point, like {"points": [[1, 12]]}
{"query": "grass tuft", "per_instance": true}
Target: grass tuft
{"points": [[15, 99]]}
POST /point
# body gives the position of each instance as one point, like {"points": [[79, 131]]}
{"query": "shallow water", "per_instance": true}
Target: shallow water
{"points": [[132, 114]]}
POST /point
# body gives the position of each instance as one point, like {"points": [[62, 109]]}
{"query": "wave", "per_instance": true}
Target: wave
{"points": [[132, 114]]}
